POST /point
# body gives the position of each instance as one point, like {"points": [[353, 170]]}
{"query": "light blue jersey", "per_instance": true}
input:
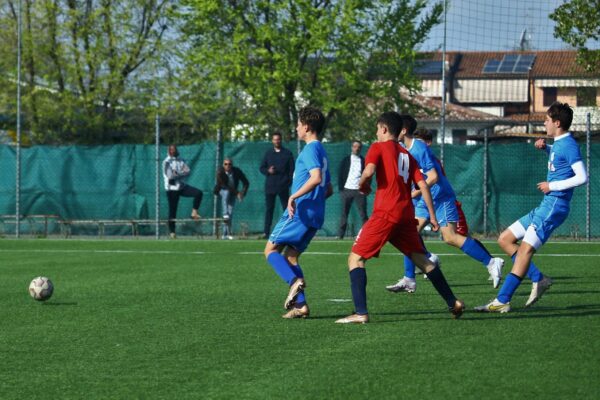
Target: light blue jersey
{"points": [[310, 208], [442, 190], [562, 155]]}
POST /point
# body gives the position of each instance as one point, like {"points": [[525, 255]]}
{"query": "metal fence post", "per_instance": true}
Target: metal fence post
{"points": [[443, 116], [157, 182], [588, 142], [217, 163], [18, 151], [485, 179]]}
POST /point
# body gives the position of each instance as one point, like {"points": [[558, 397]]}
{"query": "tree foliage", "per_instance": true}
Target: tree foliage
{"points": [[578, 24], [85, 66], [254, 63]]}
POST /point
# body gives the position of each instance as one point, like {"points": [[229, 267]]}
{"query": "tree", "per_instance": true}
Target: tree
{"points": [[578, 24], [261, 60], [84, 65]]}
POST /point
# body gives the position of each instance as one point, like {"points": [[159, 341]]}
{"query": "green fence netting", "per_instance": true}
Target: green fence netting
{"points": [[119, 182]]}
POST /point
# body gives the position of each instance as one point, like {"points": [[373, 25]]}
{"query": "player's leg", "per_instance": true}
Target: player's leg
{"points": [[447, 215], [346, 199], [224, 194], [173, 199], [408, 282], [369, 241], [544, 219], [508, 241], [406, 239], [269, 209]]}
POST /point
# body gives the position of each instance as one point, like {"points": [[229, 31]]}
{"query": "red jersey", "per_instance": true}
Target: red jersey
{"points": [[396, 171]]}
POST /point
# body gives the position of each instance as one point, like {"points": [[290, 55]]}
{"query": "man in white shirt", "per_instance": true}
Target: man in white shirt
{"points": [[351, 169]]}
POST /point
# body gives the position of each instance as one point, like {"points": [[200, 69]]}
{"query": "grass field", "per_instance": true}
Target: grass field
{"points": [[202, 319]]}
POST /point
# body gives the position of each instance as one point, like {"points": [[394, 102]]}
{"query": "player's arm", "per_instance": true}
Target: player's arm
{"points": [[364, 184], [578, 179], [329, 191], [315, 180], [541, 145], [424, 188], [432, 177]]}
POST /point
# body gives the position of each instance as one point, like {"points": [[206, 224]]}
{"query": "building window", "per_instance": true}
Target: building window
{"points": [[459, 136], [586, 97], [549, 96]]}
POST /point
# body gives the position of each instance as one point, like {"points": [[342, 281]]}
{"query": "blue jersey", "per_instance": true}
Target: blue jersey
{"points": [[440, 191], [563, 154], [310, 207]]}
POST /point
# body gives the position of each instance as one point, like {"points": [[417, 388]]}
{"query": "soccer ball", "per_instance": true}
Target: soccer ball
{"points": [[41, 288]]}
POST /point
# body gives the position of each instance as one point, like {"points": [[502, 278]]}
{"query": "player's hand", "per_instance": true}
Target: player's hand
{"points": [[544, 187], [291, 207], [271, 170], [365, 188], [540, 144], [240, 196], [434, 224]]}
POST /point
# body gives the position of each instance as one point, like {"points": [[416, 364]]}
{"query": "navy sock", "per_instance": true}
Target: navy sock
{"points": [[358, 285], [533, 272], [476, 250], [301, 298], [438, 280], [509, 287], [281, 266]]}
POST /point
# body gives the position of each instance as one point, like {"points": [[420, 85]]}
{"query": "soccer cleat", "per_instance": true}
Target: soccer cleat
{"points": [[296, 287], [538, 289], [436, 260], [403, 285], [302, 312], [495, 269], [354, 319], [458, 309], [494, 307]]}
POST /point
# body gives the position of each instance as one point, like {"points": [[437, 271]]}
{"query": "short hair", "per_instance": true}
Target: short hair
{"points": [[313, 117], [424, 134], [561, 112], [392, 120], [276, 133], [410, 124], [357, 141]]}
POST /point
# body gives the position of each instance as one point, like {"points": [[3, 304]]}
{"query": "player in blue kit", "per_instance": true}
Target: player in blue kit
{"points": [[565, 172], [444, 201], [305, 212]]}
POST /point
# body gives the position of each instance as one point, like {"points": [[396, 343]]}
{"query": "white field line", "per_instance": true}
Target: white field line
{"points": [[102, 251]]}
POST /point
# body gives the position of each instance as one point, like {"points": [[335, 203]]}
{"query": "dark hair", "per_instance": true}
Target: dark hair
{"points": [[392, 120], [410, 124], [424, 134], [312, 117], [561, 112], [276, 133], [357, 141]]}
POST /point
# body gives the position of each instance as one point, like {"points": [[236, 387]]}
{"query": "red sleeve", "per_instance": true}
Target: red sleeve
{"points": [[415, 172], [373, 155]]}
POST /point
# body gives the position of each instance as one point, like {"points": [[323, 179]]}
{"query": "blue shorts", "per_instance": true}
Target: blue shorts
{"points": [[545, 218], [445, 211], [292, 232]]}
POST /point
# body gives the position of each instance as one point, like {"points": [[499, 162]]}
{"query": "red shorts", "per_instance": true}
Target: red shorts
{"points": [[376, 232], [461, 226]]}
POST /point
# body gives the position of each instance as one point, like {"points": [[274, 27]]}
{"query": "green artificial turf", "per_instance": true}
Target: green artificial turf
{"points": [[202, 319]]}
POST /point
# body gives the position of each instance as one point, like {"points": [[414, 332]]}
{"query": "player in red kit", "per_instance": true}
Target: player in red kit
{"points": [[393, 217]]}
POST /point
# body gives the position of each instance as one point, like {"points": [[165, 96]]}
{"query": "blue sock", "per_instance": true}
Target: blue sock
{"points": [[358, 285], [409, 267], [281, 266], [533, 272], [300, 298], [476, 250], [509, 287]]}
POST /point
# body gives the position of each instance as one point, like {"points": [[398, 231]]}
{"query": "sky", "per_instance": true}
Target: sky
{"points": [[496, 25]]}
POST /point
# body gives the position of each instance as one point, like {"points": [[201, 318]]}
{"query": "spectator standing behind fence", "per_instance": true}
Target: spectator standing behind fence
{"points": [[351, 169], [175, 171], [228, 180], [278, 167]]}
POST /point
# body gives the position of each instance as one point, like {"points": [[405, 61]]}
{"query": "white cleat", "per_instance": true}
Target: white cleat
{"points": [[495, 269], [405, 284], [494, 307], [538, 289]]}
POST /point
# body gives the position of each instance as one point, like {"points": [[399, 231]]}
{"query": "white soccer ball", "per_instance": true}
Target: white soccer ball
{"points": [[41, 288]]}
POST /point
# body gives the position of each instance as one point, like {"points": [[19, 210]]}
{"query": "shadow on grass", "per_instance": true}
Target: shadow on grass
{"points": [[61, 303]]}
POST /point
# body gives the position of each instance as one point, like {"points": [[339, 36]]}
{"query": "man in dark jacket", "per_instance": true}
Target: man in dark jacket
{"points": [[228, 180], [351, 169], [278, 166]]}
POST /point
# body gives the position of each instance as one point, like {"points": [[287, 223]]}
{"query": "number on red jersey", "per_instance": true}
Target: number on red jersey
{"points": [[403, 166]]}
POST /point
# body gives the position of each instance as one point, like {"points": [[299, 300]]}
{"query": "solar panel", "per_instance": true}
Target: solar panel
{"points": [[510, 64], [428, 67]]}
